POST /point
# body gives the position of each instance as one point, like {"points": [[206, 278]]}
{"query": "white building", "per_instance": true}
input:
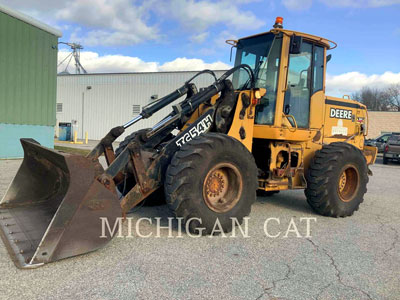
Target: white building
{"points": [[95, 103]]}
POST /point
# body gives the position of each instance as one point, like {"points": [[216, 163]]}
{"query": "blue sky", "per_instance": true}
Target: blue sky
{"points": [[124, 35]]}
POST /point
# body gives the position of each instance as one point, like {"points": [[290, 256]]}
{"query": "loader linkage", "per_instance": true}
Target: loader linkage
{"points": [[149, 164], [53, 207]]}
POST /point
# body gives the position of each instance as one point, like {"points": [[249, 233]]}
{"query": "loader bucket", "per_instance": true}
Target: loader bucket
{"points": [[53, 207]]}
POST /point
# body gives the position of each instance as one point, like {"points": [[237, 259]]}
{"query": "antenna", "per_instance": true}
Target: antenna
{"points": [[76, 54]]}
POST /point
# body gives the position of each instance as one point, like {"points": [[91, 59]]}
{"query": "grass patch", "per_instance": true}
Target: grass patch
{"points": [[72, 150]]}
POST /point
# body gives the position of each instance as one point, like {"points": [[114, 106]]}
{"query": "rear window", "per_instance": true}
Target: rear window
{"points": [[394, 139]]}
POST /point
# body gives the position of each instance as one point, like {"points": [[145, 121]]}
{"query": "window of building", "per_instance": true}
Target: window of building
{"points": [[59, 107]]}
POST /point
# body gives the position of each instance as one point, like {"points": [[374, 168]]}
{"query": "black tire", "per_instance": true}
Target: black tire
{"points": [[262, 193], [200, 159], [385, 160], [154, 199], [337, 180]]}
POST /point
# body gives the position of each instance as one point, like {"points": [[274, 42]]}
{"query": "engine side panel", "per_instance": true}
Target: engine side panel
{"points": [[345, 121]]}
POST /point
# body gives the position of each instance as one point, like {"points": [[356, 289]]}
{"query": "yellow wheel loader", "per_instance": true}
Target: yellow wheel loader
{"points": [[264, 125]]}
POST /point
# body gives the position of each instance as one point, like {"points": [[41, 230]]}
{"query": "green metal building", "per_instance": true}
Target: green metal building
{"points": [[28, 81]]}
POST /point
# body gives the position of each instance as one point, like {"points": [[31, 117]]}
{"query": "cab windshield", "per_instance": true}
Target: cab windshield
{"points": [[262, 54]]}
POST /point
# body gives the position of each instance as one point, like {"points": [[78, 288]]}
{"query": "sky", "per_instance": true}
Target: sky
{"points": [[170, 35]]}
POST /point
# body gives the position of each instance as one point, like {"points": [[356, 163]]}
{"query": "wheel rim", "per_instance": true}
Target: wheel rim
{"points": [[222, 187], [348, 183]]}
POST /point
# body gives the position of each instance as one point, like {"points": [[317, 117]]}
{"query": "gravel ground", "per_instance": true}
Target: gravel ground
{"points": [[352, 258]]}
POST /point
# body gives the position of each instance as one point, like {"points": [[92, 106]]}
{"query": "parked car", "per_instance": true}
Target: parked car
{"points": [[378, 142], [392, 149]]}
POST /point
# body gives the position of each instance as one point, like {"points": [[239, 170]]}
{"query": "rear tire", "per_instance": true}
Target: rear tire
{"points": [[337, 180], [211, 177]]}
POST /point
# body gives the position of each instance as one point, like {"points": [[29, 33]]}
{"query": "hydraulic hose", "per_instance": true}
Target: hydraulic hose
{"points": [[196, 99], [147, 112], [247, 68]]}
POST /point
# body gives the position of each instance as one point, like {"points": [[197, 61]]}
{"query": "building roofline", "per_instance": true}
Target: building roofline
{"points": [[29, 20], [128, 73]]}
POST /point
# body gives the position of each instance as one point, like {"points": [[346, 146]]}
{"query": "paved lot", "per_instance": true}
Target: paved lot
{"points": [[351, 258]]}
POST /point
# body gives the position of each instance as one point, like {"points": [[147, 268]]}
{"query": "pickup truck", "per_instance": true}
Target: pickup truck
{"points": [[392, 149], [378, 142]]}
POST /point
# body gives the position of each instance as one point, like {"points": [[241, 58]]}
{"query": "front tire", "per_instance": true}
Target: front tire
{"points": [[212, 177], [337, 180]]}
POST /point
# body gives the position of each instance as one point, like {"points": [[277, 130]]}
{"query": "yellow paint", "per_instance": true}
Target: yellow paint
{"points": [[289, 149], [247, 123], [75, 140], [200, 111]]}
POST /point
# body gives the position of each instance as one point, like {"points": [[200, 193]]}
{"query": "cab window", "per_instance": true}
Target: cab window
{"points": [[262, 54], [297, 96], [318, 83]]}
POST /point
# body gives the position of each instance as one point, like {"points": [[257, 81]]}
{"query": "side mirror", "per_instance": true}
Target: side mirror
{"points": [[328, 58], [295, 44]]}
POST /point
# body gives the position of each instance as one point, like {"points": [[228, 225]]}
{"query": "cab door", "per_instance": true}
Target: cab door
{"points": [[298, 113], [304, 82], [298, 92]]}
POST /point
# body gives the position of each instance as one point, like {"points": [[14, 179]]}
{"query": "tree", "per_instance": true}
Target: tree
{"points": [[392, 93], [373, 98]]}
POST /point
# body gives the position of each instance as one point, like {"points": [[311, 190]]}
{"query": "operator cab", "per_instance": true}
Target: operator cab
{"points": [[289, 65]]}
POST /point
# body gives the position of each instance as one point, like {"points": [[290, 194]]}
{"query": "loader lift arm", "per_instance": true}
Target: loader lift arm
{"points": [[148, 175]]}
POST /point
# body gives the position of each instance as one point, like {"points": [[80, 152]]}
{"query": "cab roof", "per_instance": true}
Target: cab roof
{"points": [[325, 42]]}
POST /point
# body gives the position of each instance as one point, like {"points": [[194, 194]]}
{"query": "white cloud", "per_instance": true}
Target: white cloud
{"points": [[110, 22], [43, 10], [244, 1], [95, 63], [199, 38], [218, 44], [128, 22], [297, 4], [360, 3], [306, 4], [200, 15], [192, 64], [347, 83]]}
